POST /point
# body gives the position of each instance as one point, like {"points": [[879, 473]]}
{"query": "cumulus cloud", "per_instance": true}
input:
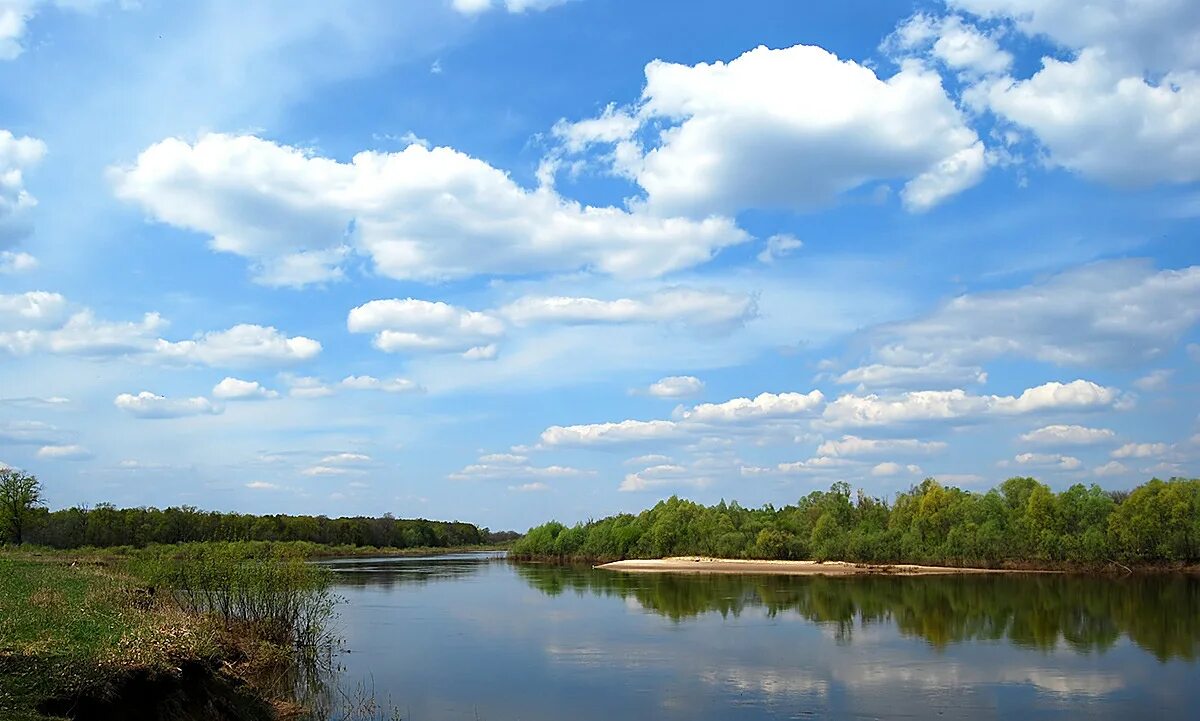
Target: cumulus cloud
{"points": [[934, 373], [262, 486], [609, 433], [1124, 106], [855, 446], [421, 326], [152, 405], [687, 306], [662, 475], [1116, 313], [371, 383], [1068, 435], [1066, 463], [16, 156], [764, 405], [476, 7], [1140, 450], [31, 433], [1112, 468], [242, 345], [307, 387], [33, 309], [1155, 380], [345, 457], [676, 387], [789, 128], [957, 44], [505, 469], [236, 389], [891, 468], [534, 487], [779, 246], [419, 214], [64, 453], [13, 262], [874, 410]]}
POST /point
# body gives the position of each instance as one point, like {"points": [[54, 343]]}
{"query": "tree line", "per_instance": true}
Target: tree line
{"points": [[24, 519], [1021, 522]]}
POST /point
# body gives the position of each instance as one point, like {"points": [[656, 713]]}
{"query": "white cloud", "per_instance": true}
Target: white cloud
{"points": [[1113, 313], [503, 458], [345, 457], [658, 476], [937, 372], [476, 7], [307, 387], [650, 459], [421, 326], [33, 309], [812, 465], [320, 470], [1155, 380], [420, 214], [890, 468], [1124, 107], [873, 410], [30, 433], [794, 128], [764, 405], [236, 389], [12, 262], [1066, 463], [1112, 468], [504, 470], [959, 45], [16, 156], [534, 487], [855, 446], [1157, 35], [371, 383], [241, 345], [1068, 435], [779, 246], [609, 433], [1140, 450], [64, 453], [675, 305], [1105, 121], [151, 405], [262, 486], [676, 387]]}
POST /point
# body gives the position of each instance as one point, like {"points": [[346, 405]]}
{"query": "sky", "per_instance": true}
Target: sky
{"points": [[510, 260]]}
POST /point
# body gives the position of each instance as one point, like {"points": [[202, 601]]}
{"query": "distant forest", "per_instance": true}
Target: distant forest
{"points": [[1021, 523], [106, 525]]}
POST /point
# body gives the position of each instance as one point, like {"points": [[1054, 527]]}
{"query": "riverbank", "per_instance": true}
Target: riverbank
{"points": [[85, 636], [701, 564]]}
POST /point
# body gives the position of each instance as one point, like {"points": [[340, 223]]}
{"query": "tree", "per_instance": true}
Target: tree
{"points": [[20, 494]]}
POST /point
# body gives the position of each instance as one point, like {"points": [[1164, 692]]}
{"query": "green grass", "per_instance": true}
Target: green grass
{"points": [[76, 622]]}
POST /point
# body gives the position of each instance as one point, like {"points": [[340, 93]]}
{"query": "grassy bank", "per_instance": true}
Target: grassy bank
{"points": [[95, 634]]}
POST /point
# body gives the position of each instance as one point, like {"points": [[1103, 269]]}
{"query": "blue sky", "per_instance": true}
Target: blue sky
{"points": [[511, 260]]}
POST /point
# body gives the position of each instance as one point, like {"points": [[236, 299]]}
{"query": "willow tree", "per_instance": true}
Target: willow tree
{"points": [[20, 494]]}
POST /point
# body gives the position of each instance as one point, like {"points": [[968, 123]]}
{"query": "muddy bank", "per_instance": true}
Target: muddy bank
{"points": [[195, 691], [699, 564]]}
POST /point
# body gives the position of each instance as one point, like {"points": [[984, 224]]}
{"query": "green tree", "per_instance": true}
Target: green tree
{"points": [[20, 496]]}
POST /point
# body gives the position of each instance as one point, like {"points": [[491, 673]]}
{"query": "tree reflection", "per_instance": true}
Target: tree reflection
{"points": [[1088, 614]]}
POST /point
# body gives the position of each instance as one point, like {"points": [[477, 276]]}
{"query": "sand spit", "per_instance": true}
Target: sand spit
{"points": [[700, 564]]}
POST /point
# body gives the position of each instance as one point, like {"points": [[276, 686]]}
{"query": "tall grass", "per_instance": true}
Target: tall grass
{"points": [[270, 592]]}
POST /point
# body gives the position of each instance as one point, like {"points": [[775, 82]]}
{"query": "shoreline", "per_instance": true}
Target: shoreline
{"points": [[702, 564]]}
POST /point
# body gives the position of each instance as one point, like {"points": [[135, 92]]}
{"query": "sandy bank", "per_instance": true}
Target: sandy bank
{"points": [[697, 564]]}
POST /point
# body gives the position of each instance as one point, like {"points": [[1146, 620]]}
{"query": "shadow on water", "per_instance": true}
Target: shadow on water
{"points": [[1160, 614]]}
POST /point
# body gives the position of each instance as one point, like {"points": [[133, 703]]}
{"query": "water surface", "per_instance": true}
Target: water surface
{"points": [[473, 636]]}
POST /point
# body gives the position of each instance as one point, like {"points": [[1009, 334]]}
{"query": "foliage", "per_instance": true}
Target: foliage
{"points": [[20, 497], [1021, 522], [108, 526], [269, 591]]}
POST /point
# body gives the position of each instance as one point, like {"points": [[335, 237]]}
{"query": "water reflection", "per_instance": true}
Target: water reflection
{"points": [[387, 572], [1160, 614]]}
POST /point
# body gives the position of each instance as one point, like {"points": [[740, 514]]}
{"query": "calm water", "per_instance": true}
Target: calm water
{"points": [[468, 636]]}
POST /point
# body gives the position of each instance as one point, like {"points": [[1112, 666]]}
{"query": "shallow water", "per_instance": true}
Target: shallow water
{"points": [[472, 636]]}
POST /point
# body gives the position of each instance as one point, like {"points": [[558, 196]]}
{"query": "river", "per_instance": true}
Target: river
{"points": [[473, 636]]}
